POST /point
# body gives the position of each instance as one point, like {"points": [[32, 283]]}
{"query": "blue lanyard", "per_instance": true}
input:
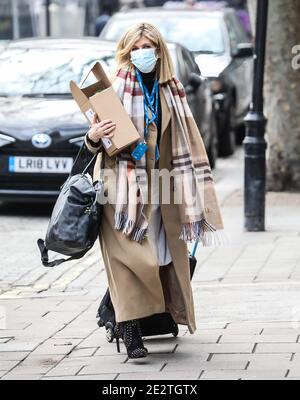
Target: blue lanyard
{"points": [[150, 102]]}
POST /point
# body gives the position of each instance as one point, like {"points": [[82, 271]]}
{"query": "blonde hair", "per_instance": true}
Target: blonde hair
{"points": [[164, 66]]}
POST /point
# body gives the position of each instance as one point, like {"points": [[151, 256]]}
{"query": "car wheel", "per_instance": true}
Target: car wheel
{"points": [[227, 134], [109, 335], [213, 150]]}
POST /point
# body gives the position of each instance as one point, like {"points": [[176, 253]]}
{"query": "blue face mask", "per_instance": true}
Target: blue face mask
{"points": [[144, 59]]}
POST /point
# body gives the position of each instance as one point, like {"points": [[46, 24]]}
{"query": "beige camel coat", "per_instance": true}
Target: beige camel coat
{"points": [[139, 287]]}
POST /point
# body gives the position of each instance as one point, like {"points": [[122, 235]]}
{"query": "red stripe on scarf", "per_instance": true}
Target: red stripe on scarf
{"points": [[126, 75], [177, 88], [128, 88], [177, 92], [134, 92]]}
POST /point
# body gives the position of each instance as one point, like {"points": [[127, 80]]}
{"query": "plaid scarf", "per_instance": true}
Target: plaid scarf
{"points": [[199, 209]]}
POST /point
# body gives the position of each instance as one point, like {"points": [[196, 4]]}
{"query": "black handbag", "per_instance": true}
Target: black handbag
{"points": [[75, 220]]}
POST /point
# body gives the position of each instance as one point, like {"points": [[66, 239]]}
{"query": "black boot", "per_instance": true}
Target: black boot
{"points": [[130, 332]]}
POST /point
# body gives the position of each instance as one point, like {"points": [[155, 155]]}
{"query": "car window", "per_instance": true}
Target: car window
{"points": [[175, 60], [232, 37], [235, 31], [237, 26], [190, 61], [186, 65], [47, 70], [198, 34], [182, 66]]}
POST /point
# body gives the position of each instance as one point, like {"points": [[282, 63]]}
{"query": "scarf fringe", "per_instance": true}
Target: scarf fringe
{"points": [[139, 234], [120, 220], [128, 226], [204, 232], [217, 238], [122, 223]]}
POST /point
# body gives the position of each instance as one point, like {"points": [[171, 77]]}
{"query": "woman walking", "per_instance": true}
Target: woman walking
{"points": [[144, 239]]}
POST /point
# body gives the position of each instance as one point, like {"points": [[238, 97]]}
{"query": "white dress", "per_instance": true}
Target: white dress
{"points": [[157, 233], [157, 236]]}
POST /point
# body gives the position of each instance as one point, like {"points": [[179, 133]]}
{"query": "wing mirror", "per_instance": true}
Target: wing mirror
{"points": [[195, 80], [194, 83], [244, 50]]}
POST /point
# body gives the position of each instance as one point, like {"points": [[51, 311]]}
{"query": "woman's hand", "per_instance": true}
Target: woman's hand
{"points": [[101, 129]]}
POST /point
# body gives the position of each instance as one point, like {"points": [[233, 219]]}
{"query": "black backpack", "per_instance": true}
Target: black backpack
{"points": [[75, 221]]}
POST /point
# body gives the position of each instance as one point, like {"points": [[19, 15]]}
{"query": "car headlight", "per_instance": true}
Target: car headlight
{"points": [[5, 140], [216, 85]]}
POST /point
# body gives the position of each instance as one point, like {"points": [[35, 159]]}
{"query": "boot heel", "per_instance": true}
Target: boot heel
{"points": [[118, 344], [117, 336]]}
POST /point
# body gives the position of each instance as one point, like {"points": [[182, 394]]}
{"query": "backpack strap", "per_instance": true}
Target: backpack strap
{"points": [[45, 258], [41, 243]]}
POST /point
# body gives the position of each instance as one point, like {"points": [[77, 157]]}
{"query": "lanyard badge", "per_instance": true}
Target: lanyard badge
{"points": [[150, 102], [139, 151]]}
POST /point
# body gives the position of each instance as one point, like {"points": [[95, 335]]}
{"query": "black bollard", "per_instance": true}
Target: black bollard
{"points": [[254, 142]]}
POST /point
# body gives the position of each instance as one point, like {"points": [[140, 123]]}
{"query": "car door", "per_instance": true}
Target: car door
{"points": [[241, 68], [196, 97], [199, 99]]}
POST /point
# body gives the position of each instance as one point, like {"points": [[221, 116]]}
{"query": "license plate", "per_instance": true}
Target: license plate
{"points": [[55, 165]]}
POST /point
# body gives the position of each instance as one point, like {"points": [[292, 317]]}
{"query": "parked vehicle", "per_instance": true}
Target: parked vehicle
{"points": [[240, 7], [221, 49], [41, 127]]}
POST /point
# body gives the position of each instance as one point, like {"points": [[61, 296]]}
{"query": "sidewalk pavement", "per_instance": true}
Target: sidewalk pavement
{"points": [[246, 299]]}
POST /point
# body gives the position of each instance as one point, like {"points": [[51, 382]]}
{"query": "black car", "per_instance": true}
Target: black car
{"points": [[41, 127], [221, 49]]}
